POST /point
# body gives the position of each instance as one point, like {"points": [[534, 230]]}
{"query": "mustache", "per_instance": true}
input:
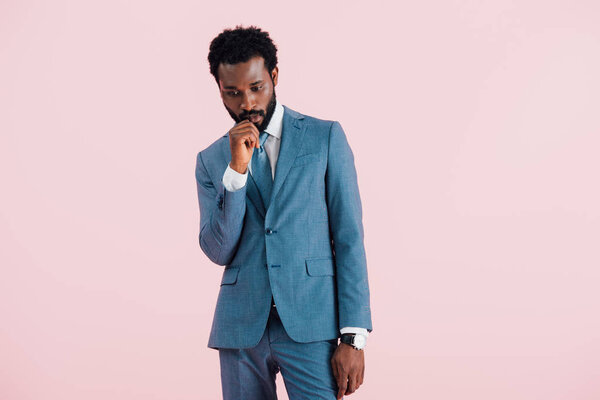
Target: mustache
{"points": [[246, 115]]}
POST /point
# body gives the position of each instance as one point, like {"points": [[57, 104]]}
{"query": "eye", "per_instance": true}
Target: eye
{"points": [[232, 93], [256, 88]]}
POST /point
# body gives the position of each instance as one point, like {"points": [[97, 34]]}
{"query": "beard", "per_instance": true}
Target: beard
{"points": [[267, 115]]}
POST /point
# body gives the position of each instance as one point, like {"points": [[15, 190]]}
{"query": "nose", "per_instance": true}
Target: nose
{"points": [[248, 102]]}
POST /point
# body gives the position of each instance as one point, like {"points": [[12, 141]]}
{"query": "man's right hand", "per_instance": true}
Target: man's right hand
{"points": [[243, 138]]}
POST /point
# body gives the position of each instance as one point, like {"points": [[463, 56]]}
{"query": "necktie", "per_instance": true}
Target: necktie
{"points": [[261, 170]]}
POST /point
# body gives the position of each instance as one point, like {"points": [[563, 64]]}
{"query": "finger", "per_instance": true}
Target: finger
{"points": [[243, 122], [342, 385], [252, 139], [246, 135], [362, 375], [339, 380], [252, 126], [246, 122], [249, 142], [255, 132], [246, 138], [351, 384], [248, 131], [242, 129], [341, 391]]}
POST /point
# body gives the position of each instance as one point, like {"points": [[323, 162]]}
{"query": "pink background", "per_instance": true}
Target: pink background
{"points": [[475, 128]]}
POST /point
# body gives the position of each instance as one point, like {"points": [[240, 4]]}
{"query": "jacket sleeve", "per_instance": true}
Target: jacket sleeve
{"points": [[346, 229], [221, 216]]}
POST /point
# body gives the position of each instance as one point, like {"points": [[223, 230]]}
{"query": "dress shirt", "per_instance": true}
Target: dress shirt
{"points": [[233, 180]]}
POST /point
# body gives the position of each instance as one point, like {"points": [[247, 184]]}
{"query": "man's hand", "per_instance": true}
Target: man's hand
{"points": [[348, 366], [243, 138]]}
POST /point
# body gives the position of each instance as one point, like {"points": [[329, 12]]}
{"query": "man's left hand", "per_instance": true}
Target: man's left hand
{"points": [[348, 366]]}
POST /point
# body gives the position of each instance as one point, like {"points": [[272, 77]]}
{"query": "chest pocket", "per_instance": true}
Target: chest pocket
{"points": [[305, 159]]}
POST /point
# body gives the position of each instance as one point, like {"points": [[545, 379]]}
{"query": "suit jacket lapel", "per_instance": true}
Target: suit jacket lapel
{"points": [[291, 140]]}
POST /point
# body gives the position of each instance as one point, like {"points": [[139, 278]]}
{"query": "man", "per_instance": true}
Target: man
{"points": [[280, 209]]}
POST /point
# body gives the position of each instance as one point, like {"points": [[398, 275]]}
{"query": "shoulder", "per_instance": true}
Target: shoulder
{"points": [[325, 130], [214, 150], [310, 121], [323, 134]]}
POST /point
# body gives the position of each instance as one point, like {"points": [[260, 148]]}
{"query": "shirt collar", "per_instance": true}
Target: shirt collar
{"points": [[276, 122]]}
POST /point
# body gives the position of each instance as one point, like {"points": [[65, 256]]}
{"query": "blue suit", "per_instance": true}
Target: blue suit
{"points": [[305, 250]]}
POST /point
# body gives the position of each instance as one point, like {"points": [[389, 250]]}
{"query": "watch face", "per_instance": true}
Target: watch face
{"points": [[359, 341]]}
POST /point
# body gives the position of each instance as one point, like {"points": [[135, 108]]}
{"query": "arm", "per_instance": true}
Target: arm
{"points": [[221, 216], [345, 224]]}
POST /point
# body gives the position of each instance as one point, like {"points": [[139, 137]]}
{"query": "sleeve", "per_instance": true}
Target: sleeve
{"points": [[221, 216], [346, 229]]}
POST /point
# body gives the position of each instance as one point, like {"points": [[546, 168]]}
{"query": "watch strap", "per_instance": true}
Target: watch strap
{"points": [[348, 338]]}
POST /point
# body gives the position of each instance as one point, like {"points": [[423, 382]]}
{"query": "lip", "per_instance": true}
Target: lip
{"points": [[255, 118]]}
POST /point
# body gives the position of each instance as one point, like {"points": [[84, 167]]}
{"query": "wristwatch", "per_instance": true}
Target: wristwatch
{"points": [[355, 340]]}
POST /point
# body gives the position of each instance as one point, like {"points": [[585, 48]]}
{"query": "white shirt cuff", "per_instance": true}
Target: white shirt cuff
{"points": [[233, 180], [352, 329]]}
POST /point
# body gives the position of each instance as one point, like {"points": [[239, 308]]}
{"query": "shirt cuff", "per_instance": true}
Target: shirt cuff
{"points": [[353, 329], [233, 180]]}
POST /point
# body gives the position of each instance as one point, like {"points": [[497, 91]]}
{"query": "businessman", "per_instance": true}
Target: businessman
{"points": [[280, 209]]}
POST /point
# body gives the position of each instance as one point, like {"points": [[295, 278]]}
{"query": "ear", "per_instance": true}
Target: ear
{"points": [[275, 75]]}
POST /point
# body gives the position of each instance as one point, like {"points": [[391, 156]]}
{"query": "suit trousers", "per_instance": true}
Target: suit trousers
{"points": [[249, 373]]}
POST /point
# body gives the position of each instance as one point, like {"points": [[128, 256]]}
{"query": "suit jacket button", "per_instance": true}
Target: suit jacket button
{"points": [[268, 231]]}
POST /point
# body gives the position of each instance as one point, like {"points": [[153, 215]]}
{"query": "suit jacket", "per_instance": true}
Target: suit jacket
{"points": [[306, 249]]}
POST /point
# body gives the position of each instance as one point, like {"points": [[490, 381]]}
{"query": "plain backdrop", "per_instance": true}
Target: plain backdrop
{"points": [[475, 128]]}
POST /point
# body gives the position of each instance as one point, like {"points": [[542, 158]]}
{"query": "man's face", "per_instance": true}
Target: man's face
{"points": [[248, 92]]}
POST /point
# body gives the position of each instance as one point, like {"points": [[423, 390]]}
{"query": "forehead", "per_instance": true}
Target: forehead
{"points": [[242, 74]]}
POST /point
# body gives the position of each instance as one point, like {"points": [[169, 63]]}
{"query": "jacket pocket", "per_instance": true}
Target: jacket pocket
{"points": [[230, 275], [320, 266], [305, 159]]}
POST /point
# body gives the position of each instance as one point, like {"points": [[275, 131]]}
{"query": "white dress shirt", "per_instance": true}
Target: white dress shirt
{"points": [[233, 180]]}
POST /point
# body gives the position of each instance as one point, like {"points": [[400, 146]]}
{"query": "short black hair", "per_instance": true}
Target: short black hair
{"points": [[238, 45]]}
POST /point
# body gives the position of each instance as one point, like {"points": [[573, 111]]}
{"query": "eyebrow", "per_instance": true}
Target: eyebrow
{"points": [[252, 84]]}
